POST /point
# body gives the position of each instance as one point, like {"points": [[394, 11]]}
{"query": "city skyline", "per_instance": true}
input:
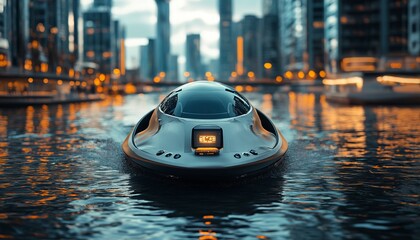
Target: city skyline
{"points": [[186, 16]]}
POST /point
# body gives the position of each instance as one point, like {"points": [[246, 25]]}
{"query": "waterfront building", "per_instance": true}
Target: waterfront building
{"points": [[270, 39], [98, 38], [371, 36], [301, 37]]}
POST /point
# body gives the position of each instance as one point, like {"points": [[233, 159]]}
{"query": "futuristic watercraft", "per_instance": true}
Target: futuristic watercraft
{"points": [[203, 130]]}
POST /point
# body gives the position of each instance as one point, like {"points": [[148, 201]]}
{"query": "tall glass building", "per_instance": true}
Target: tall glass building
{"points": [[147, 61], [270, 39], [226, 41], [163, 34], [302, 35], [193, 56], [98, 38]]}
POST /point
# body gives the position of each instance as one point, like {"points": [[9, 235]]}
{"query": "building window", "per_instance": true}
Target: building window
{"points": [[414, 27]]}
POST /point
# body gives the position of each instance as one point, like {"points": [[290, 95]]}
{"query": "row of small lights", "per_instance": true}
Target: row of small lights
{"points": [[289, 75], [60, 82]]}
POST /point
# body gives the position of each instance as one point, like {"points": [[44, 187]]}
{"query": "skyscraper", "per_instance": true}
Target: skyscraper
{"points": [[19, 34], [163, 31], [302, 35], [226, 41], [193, 56], [98, 38], [270, 39], [251, 33], [368, 36], [147, 61]]}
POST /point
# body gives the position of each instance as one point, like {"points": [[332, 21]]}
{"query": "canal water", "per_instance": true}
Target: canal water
{"points": [[351, 172]]}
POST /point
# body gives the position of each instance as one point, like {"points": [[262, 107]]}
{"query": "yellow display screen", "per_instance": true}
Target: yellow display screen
{"points": [[207, 139]]}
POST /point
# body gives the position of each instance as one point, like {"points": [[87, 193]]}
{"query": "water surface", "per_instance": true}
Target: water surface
{"points": [[350, 172]]}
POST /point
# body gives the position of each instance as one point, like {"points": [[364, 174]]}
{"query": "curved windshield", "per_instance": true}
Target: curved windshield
{"points": [[204, 104]]}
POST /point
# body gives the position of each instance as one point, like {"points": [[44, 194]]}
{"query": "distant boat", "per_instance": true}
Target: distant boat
{"points": [[384, 89]]}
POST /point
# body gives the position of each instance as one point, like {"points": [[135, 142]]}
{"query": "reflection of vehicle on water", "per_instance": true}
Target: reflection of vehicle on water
{"points": [[205, 129]]}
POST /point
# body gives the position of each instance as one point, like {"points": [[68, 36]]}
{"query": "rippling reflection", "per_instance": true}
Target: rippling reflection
{"points": [[350, 172]]}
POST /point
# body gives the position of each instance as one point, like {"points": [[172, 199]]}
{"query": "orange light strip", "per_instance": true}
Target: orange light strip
{"points": [[240, 55], [122, 57], [344, 81], [398, 80]]}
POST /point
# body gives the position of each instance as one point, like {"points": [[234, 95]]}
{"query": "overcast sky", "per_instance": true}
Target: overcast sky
{"points": [[187, 16]]}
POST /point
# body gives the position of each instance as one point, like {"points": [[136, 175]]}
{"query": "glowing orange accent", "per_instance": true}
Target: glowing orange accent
{"points": [[102, 77], [117, 71], [240, 55], [206, 150], [54, 30], [288, 75], [268, 65], [30, 80], [60, 82], [322, 74], [90, 54], [251, 74], [395, 65], [45, 80], [186, 74], [71, 72], [58, 70], [249, 88], [40, 27], [233, 74], [208, 74], [107, 54], [344, 19], [207, 139], [279, 79], [358, 64], [318, 24], [312, 74], [162, 74], [208, 217], [261, 237], [90, 31], [156, 79], [44, 67], [239, 88], [301, 75], [130, 88]]}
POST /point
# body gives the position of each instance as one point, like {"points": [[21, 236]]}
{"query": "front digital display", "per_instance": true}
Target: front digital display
{"points": [[207, 136], [207, 139]]}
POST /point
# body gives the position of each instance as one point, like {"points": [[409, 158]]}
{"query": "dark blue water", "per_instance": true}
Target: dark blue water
{"points": [[351, 172]]}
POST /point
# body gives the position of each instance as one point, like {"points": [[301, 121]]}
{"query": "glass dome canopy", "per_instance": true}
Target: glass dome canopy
{"points": [[205, 100]]}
